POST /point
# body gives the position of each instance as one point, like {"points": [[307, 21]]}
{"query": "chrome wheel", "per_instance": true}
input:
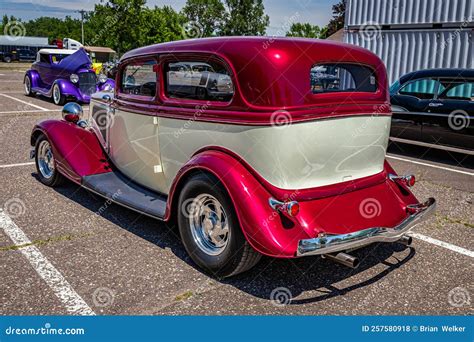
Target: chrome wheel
{"points": [[45, 159], [56, 94], [27, 85], [208, 224]]}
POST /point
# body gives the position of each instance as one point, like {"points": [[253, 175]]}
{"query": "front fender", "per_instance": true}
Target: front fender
{"points": [[110, 82], [34, 77], [261, 225], [77, 151], [68, 88]]}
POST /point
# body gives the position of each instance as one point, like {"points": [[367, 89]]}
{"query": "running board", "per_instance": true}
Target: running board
{"points": [[42, 91], [122, 190]]}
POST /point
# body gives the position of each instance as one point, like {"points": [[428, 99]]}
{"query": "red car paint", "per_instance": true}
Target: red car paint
{"points": [[252, 73], [77, 151]]}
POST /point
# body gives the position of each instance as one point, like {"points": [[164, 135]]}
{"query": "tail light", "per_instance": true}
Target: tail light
{"points": [[408, 180], [291, 208]]}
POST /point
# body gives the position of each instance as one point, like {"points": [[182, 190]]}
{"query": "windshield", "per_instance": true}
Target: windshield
{"points": [[56, 58], [394, 87]]}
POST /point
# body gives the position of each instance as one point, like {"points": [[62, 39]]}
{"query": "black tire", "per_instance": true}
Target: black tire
{"points": [[56, 179], [201, 93], [59, 100], [27, 81], [237, 256], [7, 59]]}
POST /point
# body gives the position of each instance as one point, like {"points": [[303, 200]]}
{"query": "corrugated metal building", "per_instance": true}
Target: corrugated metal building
{"points": [[411, 35], [8, 43]]}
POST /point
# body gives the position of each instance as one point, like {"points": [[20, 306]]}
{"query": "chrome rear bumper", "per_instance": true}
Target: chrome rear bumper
{"points": [[341, 242]]}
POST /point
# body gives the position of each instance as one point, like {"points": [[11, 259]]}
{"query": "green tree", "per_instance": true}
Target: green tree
{"points": [[209, 15], [337, 21], [4, 23], [54, 28], [304, 30], [127, 15], [245, 18], [161, 25]]}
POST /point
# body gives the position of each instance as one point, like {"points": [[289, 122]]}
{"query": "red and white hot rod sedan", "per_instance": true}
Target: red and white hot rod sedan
{"points": [[255, 146]]}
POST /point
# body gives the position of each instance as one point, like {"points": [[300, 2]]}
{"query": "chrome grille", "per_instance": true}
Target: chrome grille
{"points": [[87, 83]]}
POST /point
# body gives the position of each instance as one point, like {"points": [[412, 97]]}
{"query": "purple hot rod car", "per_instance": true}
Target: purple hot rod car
{"points": [[65, 75]]}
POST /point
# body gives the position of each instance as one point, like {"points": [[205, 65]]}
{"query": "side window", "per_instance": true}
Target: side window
{"points": [[424, 89], [139, 78], [44, 58], [463, 91], [342, 77], [198, 80]]}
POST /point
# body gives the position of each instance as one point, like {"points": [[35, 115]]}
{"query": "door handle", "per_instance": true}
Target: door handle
{"points": [[435, 104]]}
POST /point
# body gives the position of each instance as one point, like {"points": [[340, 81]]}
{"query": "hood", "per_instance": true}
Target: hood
{"points": [[75, 61]]}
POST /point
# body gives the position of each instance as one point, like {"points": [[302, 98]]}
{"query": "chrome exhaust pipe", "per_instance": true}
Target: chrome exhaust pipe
{"points": [[406, 240], [344, 259]]}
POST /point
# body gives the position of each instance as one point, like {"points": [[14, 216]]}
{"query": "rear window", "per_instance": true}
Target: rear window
{"points": [[457, 90], [339, 77], [198, 80]]}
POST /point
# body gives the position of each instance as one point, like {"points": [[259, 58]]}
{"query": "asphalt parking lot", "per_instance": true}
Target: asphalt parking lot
{"points": [[57, 256]]}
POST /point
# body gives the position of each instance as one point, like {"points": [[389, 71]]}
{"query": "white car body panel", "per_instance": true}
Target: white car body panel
{"points": [[151, 150]]}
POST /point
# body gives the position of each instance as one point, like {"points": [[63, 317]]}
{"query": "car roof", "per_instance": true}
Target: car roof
{"points": [[445, 73], [271, 71], [57, 51]]}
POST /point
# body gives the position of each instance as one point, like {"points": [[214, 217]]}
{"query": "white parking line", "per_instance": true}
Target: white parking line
{"points": [[29, 111], [73, 302], [15, 165], [431, 165], [24, 102], [443, 244]]}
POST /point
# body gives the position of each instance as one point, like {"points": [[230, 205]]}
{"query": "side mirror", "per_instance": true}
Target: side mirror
{"points": [[72, 112]]}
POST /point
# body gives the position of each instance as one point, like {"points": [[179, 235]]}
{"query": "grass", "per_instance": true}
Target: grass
{"points": [[44, 242], [183, 296]]}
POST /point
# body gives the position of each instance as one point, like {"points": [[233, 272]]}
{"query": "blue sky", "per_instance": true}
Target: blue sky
{"points": [[281, 12]]}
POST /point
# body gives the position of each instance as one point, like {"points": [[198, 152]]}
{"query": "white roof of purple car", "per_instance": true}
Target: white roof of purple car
{"points": [[57, 51]]}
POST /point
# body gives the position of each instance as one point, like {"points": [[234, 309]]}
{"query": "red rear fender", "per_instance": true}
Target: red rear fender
{"points": [[380, 204]]}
